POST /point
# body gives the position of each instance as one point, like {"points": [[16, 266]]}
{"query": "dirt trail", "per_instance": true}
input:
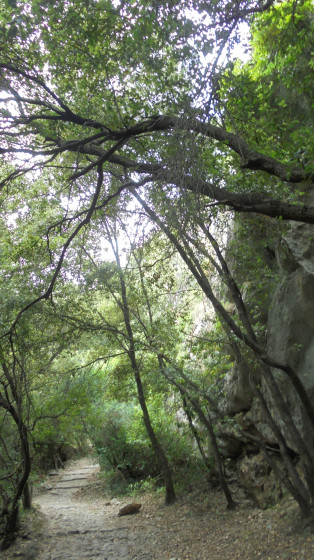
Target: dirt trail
{"points": [[80, 523], [77, 530]]}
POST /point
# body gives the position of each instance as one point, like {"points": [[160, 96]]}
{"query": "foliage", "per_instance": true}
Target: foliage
{"points": [[130, 138], [123, 446], [121, 443]]}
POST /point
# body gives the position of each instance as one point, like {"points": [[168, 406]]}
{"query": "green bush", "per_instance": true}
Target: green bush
{"points": [[119, 446], [124, 449]]}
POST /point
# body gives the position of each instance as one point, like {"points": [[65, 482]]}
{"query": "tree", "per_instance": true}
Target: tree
{"points": [[242, 329], [72, 144], [38, 392], [139, 309], [93, 116], [131, 349]]}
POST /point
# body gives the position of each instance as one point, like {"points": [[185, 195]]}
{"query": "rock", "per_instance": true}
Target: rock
{"points": [[130, 509], [291, 320], [239, 395], [289, 316], [296, 249], [46, 486], [53, 472], [228, 440], [254, 420], [115, 502], [256, 476]]}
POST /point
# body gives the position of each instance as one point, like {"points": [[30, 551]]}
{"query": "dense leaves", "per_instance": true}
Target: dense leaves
{"points": [[132, 134]]}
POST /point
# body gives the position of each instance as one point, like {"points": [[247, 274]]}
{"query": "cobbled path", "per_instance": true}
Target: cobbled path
{"points": [[75, 530]]}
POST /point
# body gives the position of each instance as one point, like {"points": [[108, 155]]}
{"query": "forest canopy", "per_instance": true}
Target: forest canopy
{"points": [[134, 135]]}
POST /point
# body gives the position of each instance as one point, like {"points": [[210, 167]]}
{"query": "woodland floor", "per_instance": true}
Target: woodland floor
{"points": [[74, 520]]}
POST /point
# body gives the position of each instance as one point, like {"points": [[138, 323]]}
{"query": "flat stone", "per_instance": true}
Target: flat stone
{"points": [[69, 484], [72, 477]]}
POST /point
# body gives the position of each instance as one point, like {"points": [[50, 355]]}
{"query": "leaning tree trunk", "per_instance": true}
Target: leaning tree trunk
{"points": [[158, 450], [27, 496], [231, 504], [194, 432]]}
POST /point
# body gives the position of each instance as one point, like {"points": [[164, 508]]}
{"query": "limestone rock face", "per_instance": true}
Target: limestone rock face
{"points": [[290, 333], [254, 420], [259, 480], [290, 341], [239, 395], [296, 249], [291, 314]]}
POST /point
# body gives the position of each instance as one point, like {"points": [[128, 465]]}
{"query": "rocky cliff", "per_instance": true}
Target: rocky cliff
{"points": [[289, 323]]}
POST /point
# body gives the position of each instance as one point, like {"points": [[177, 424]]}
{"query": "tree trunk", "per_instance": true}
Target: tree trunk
{"points": [[11, 527], [207, 422], [194, 432], [27, 496], [12, 517], [158, 450], [231, 504]]}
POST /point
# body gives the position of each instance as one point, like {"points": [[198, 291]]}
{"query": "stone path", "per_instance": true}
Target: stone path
{"points": [[83, 524], [76, 530]]}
